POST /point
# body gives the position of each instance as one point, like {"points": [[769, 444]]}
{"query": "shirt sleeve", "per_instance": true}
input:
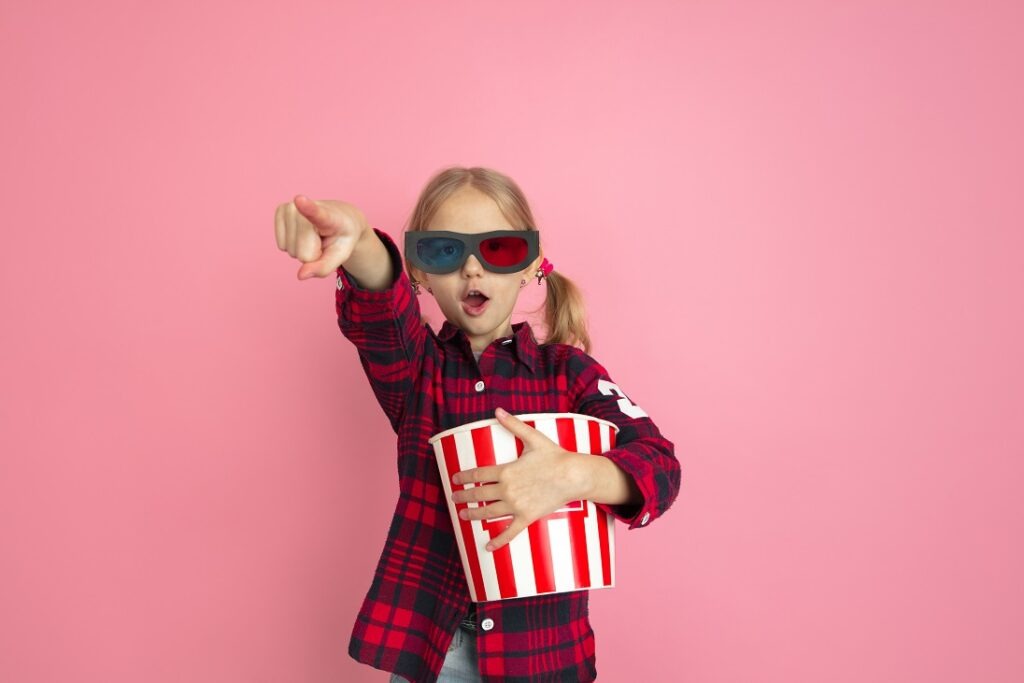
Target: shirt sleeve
{"points": [[640, 449], [386, 328]]}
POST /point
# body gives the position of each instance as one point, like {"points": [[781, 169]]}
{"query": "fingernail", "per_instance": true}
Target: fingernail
{"points": [[502, 412]]}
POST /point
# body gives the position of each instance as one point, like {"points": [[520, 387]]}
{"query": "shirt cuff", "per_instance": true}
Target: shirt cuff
{"points": [[366, 305], [638, 469]]}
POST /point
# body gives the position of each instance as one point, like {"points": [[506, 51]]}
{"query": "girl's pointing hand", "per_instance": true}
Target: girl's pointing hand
{"points": [[544, 478], [322, 233]]}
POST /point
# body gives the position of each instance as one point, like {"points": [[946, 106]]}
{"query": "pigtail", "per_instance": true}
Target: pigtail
{"points": [[565, 313]]}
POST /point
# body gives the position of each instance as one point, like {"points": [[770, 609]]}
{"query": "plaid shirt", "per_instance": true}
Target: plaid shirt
{"points": [[426, 383]]}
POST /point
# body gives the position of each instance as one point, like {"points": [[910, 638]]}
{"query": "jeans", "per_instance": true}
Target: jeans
{"points": [[460, 664]]}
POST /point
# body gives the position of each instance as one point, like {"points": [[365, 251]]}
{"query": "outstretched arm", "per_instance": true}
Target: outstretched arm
{"points": [[379, 313]]}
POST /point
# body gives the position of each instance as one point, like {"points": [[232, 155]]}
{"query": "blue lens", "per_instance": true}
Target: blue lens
{"points": [[440, 252]]}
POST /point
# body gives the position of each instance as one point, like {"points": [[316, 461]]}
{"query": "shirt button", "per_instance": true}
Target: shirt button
{"points": [[487, 624], [647, 516], [480, 385]]}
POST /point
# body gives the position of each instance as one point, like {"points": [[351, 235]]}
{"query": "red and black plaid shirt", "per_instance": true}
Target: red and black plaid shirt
{"points": [[426, 383]]}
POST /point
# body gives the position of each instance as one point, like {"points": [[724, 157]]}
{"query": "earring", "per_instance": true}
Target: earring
{"points": [[545, 268]]}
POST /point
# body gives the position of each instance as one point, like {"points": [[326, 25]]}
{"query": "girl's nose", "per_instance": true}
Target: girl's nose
{"points": [[472, 265]]}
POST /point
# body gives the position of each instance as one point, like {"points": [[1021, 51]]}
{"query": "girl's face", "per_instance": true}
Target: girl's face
{"points": [[470, 211]]}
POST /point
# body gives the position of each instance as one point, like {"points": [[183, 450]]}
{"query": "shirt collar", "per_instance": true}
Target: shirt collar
{"points": [[523, 342]]}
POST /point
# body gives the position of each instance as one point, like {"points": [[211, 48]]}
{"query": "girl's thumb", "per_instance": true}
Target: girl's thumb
{"points": [[312, 269], [329, 261]]}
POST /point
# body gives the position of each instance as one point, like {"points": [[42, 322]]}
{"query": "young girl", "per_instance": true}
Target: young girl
{"points": [[417, 619]]}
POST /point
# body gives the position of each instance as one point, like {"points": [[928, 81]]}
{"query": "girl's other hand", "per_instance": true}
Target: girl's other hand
{"points": [[544, 478], [320, 233]]}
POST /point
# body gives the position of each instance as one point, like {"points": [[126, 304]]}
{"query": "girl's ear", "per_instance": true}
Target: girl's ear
{"points": [[532, 269]]}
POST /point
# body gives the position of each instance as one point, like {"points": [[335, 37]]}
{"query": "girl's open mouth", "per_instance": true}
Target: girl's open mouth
{"points": [[475, 304]]}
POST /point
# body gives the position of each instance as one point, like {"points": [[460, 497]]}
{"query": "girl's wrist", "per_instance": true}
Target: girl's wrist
{"points": [[600, 480], [579, 475]]}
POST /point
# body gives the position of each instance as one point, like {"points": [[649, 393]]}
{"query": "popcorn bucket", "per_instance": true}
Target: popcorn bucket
{"points": [[571, 549]]}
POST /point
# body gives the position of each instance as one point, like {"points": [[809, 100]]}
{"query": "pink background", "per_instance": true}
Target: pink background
{"points": [[798, 228]]}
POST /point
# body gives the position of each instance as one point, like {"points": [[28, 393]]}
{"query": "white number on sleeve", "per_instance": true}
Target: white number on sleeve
{"points": [[625, 405]]}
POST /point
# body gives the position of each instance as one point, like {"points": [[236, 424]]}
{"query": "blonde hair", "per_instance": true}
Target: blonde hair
{"points": [[564, 311]]}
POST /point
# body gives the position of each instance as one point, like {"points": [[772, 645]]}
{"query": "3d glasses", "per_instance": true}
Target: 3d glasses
{"points": [[499, 251]]}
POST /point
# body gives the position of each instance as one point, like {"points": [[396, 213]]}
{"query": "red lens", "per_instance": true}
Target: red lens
{"points": [[504, 251]]}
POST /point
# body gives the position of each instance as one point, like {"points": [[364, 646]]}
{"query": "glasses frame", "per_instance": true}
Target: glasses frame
{"points": [[471, 241]]}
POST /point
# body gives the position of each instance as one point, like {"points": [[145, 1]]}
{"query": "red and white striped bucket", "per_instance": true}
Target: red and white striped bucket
{"points": [[571, 549]]}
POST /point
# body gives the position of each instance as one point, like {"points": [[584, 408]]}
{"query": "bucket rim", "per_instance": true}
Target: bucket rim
{"points": [[469, 426]]}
